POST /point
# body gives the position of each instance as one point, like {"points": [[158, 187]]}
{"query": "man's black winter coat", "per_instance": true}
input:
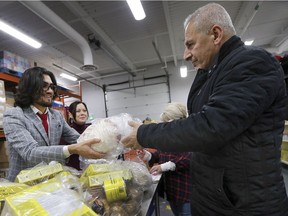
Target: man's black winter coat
{"points": [[235, 126]]}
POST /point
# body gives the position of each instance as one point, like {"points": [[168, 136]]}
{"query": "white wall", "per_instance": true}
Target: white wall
{"points": [[180, 86], [93, 96], [179, 89]]}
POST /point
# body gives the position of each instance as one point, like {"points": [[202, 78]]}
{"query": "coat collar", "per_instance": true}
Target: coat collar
{"points": [[231, 44]]}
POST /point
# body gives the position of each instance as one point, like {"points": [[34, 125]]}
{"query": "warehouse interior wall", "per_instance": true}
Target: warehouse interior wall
{"points": [[93, 96], [180, 87], [139, 94]]}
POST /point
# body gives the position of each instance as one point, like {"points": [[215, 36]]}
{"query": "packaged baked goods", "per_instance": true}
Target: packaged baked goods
{"points": [[46, 199], [39, 173], [117, 186]]}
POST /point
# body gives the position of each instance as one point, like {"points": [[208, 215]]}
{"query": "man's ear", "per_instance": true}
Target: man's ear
{"points": [[217, 34]]}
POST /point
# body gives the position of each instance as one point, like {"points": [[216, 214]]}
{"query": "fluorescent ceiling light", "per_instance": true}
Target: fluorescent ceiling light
{"points": [[19, 35], [66, 76], [248, 42], [183, 71], [136, 9]]}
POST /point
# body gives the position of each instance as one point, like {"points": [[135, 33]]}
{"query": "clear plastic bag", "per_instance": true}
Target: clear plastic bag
{"points": [[110, 131], [117, 186], [55, 197]]}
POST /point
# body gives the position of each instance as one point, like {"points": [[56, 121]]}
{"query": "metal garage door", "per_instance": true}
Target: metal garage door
{"points": [[140, 102]]}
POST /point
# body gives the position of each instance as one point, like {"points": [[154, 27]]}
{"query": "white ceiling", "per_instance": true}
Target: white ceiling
{"points": [[126, 45]]}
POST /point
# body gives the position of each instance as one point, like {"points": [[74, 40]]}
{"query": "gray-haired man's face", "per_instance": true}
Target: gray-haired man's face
{"points": [[199, 47]]}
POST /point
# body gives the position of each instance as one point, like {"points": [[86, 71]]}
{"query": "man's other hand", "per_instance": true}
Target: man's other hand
{"points": [[130, 141]]}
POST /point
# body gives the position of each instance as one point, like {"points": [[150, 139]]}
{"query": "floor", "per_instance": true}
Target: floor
{"points": [[165, 209], [285, 175]]}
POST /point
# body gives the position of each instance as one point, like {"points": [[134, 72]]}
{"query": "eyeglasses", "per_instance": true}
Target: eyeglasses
{"points": [[46, 86]]}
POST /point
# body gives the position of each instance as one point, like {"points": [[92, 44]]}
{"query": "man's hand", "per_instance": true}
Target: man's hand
{"points": [[84, 149], [130, 141]]}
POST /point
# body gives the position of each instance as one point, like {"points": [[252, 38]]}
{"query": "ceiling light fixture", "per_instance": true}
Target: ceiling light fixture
{"points": [[19, 35], [248, 42], [136, 9], [66, 76], [183, 71]]}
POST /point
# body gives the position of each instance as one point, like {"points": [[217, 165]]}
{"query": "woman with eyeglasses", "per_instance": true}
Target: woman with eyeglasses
{"points": [[34, 130]]}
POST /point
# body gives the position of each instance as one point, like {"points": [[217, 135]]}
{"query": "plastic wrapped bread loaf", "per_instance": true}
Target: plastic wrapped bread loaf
{"points": [[105, 130], [110, 131]]}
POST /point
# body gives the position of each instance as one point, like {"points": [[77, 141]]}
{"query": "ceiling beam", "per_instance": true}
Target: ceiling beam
{"points": [[281, 41], [170, 30], [245, 16]]}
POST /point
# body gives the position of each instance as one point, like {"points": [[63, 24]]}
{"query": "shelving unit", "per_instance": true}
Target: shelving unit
{"points": [[12, 81], [8, 77], [64, 92]]}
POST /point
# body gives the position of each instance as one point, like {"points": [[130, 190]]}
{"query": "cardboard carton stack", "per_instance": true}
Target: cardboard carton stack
{"points": [[10, 62], [2, 102], [4, 159]]}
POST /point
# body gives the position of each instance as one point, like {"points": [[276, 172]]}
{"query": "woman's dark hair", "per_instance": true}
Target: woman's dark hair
{"points": [[30, 87], [73, 108]]}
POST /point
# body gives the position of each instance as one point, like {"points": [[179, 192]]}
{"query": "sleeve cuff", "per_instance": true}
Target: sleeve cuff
{"points": [[168, 166], [66, 151], [147, 155]]}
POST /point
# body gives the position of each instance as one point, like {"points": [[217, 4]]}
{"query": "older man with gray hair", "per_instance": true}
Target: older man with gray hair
{"points": [[236, 109]]}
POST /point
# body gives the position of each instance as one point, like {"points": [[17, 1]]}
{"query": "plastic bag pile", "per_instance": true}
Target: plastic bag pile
{"points": [[104, 187]]}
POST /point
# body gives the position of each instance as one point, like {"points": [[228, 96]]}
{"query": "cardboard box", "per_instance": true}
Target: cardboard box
{"points": [[4, 159], [4, 172], [10, 102], [11, 61], [4, 155], [2, 102], [4, 165]]}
